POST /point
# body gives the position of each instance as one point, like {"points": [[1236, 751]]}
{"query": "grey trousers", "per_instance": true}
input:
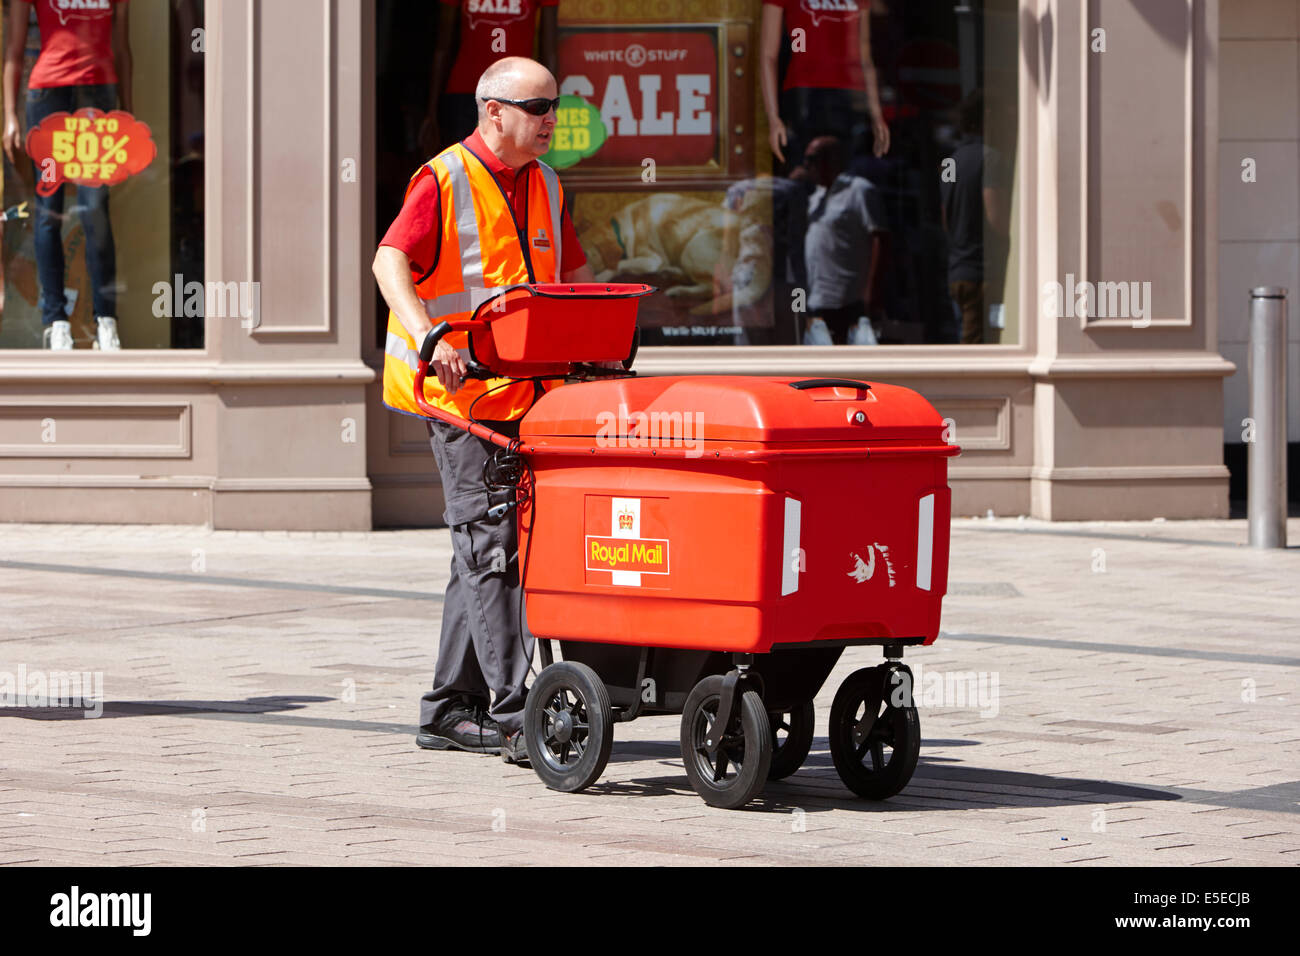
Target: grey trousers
{"points": [[480, 649]]}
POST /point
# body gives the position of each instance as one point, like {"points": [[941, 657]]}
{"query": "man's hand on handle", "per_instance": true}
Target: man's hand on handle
{"points": [[449, 366]]}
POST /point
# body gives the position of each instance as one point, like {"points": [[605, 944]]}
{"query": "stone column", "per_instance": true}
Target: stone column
{"points": [[1121, 105], [285, 211]]}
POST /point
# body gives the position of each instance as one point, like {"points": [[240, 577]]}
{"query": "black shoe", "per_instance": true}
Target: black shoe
{"points": [[462, 727], [483, 717], [478, 708], [514, 749]]}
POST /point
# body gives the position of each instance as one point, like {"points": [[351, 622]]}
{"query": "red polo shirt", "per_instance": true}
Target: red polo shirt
{"points": [[417, 228]]}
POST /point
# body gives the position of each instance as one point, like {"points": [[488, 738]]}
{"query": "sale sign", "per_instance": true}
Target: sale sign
{"points": [[656, 91], [89, 148]]}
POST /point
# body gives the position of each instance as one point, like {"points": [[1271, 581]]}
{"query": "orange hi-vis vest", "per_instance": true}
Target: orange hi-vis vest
{"points": [[482, 248]]}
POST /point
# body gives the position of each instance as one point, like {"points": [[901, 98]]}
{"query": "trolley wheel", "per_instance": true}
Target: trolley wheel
{"points": [[789, 752], [569, 726], [874, 743], [735, 774]]}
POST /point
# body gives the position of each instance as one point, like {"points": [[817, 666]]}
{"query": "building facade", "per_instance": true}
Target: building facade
{"points": [[1101, 396]]}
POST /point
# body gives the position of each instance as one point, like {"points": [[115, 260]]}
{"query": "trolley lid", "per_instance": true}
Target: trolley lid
{"points": [[736, 408]]}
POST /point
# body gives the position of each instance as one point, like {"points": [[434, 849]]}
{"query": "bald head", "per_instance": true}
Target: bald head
{"points": [[513, 78], [516, 136]]}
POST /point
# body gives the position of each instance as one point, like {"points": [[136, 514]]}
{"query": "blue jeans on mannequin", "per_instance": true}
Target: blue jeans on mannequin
{"points": [[91, 204]]}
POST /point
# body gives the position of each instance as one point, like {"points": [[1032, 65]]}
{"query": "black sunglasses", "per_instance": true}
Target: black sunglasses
{"points": [[537, 106]]}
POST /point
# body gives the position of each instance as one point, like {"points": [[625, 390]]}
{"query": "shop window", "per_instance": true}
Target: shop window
{"points": [[663, 144], [103, 175]]}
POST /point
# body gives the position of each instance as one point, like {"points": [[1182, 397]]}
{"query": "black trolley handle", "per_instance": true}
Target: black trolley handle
{"points": [[474, 368], [431, 340], [828, 383]]}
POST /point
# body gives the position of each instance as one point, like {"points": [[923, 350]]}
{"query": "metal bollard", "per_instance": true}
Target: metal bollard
{"points": [[1266, 457]]}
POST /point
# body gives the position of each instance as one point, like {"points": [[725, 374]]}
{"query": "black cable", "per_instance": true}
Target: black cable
{"points": [[469, 414]]}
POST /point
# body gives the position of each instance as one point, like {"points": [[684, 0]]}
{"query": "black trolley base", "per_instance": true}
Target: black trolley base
{"points": [[746, 718]]}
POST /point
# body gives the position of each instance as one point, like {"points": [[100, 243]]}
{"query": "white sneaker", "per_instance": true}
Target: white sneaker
{"points": [[863, 333], [106, 334], [818, 333], [58, 335]]}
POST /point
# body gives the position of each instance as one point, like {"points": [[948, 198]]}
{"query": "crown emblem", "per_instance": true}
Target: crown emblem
{"points": [[625, 520]]}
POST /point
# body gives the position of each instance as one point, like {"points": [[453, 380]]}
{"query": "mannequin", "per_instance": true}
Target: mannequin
{"points": [[831, 58], [464, 49], [85, 61]]}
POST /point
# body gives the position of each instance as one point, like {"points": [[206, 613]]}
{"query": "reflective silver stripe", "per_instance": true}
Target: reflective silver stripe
{"points": [[462, 202], [451, 303], [552, 180], [396, 346]]}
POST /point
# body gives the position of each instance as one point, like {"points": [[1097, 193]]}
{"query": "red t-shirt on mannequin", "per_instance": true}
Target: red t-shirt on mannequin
{"points": [[831, 58], [76, 43], [478, 18]]}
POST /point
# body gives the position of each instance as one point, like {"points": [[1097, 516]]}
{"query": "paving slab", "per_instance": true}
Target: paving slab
{"points": [[257, 698]]}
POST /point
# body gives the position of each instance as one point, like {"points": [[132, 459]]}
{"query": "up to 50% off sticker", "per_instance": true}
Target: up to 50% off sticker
{"points": [[89, 148]]}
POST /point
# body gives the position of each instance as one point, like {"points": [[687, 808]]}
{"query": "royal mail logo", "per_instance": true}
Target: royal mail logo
{"points": [[540, 241], [647, 555], [625, 521]]}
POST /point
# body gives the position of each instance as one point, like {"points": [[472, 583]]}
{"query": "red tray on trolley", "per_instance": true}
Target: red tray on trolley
{"points": [[545, 328]]}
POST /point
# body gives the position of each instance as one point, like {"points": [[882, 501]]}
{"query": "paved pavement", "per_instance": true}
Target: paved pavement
{"points": [[259, 697]]}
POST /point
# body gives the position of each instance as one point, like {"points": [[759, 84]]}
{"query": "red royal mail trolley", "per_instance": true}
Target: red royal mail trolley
{"points": [[708, 545]]}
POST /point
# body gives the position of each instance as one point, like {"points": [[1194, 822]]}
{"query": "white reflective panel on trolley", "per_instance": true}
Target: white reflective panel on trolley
{"points": [[924, 542], [791, 559]]}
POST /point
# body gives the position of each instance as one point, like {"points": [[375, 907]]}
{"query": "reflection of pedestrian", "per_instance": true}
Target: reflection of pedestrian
{"points": [[85, 60], [845, 241], [762, 257], [974, 206], [830, 60]]}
